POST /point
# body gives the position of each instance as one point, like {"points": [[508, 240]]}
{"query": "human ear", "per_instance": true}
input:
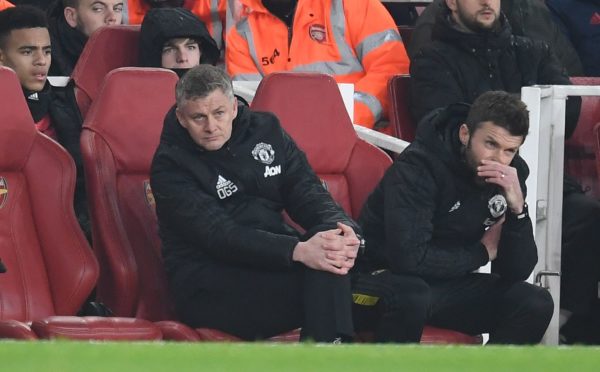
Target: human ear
{"points": [[71, 16], [463, 134]]}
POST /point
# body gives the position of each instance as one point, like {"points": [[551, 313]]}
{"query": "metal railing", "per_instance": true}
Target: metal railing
{"points": [[544, 153]]}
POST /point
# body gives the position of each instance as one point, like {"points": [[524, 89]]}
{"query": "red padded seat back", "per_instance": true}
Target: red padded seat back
{"points": [[580, 158], [108, 48], [119, 138], [400, 117], [312, 111], [51, 268]]}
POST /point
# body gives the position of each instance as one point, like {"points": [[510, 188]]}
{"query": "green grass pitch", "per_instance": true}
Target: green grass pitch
{"points": [[108, 357]]}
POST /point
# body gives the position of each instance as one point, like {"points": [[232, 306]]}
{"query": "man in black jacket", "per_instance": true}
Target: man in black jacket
{"points": [[453, 201], [25, 47], [473, 52], [221, 177], [530, 18], [72, 22]]}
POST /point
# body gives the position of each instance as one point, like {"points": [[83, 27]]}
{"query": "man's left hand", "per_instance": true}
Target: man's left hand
{"points": [[346, 247]]}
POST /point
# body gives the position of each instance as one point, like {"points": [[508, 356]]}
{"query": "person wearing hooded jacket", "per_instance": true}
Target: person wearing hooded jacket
{"points": [[221, 177], [529, 18], [71, 23], [453, 201], [175, 38], [210, 12], [462, 62]]}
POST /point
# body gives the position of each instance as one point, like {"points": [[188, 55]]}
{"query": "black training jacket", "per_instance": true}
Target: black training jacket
{"points": [[459, 66], [427, 215], [225, 206]]}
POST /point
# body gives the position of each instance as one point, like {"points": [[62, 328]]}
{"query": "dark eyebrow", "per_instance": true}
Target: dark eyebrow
{"points": [[34, 47]]}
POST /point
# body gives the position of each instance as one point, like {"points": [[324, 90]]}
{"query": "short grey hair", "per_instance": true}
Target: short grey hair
{"points": [[202, 80]]}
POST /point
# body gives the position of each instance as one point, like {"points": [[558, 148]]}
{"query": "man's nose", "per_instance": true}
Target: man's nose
{"points": [[182, 55], [41, 58], [211, 124], [111, 17]]}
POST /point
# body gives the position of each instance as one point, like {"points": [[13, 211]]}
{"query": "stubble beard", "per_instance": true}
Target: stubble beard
{"points": [[471, 22]]}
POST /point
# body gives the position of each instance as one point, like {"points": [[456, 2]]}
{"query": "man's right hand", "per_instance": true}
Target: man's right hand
{"points": [[325, 251], [491, 239]]}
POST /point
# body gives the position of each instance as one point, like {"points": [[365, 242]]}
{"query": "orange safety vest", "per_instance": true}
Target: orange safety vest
{"points": [[211, 12], [355, 41], [5, 4]]}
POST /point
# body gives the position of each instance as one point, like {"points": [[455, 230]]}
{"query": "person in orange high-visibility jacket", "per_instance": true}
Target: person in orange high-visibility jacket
{"points": [[5, 4], [355, 41], [211, 12]]}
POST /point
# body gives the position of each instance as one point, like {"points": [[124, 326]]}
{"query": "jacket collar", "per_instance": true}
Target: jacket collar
{"points": [[446, 30]]}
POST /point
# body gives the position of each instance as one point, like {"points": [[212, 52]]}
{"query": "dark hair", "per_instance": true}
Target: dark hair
{"points": [[165, 3], [202, 80], [70, 3], [20, 17], [504, 109]]}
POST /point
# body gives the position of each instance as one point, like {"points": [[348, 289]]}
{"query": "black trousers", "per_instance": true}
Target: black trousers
{"points": [[512, 312], [580, 267], [257, 304], [396, 307], [393, 307]]}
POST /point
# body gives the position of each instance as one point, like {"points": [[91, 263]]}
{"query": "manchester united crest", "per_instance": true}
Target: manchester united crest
{"points": [[264, 153], [497, 205], [318, 33], [3, 191]]}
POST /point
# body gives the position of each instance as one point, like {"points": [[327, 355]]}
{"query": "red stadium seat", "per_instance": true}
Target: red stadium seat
{"points": [[580, 158], [400, 116], [119, 138], [51, 269], [109, 48], [311, 110]]}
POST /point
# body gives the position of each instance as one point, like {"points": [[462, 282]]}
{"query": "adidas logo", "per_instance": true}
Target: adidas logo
{"points": [[225, 188], [595, 20], [33, 97], [454, 207]]}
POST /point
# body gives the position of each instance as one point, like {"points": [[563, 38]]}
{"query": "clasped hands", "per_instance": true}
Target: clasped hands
{"points": [[333, 250]]}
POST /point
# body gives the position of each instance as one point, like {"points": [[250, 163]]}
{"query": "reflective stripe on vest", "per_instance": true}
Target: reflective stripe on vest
{"points": [[372, 103], [247, 77], [376, 40], [243, 28], [217, 26], [125, 13]]}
